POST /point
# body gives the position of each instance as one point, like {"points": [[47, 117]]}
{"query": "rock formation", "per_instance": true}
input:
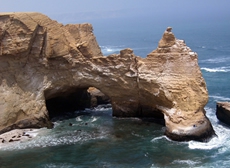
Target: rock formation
{"points": [[97, 97], [44, 64], [223, 112]]}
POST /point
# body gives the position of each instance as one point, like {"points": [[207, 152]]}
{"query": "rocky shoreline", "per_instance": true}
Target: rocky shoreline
{"points": [[17, 135]]}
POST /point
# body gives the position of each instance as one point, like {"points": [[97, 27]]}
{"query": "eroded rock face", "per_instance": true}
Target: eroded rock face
{"points": [[41, 59], [97, 97], [223, 112]]}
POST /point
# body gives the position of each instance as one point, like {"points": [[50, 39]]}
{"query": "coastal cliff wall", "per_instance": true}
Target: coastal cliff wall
{"points": [[41, 60]]}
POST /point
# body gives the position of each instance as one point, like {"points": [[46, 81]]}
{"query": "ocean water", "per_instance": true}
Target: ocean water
{"points": [[96, 139]]}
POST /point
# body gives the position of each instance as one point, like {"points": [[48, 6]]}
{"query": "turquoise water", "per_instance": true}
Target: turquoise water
{"points": [[96, 139]]}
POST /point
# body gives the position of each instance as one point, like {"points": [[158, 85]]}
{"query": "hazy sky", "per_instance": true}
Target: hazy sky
{"points": [[159, 8]]}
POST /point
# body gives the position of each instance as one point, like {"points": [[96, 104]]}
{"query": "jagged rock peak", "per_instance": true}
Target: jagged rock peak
{"points": [[168, 39]]}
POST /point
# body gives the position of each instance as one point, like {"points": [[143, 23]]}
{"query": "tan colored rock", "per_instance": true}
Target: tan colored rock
{"points": [[85, 39], [44, 64], [97, 97], [168, 39]]}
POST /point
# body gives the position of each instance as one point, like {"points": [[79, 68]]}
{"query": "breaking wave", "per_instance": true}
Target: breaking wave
{"points": [[186, 162], [221, 142], [219, 98], [107, 50], [220, 69], [80, 129], [216, 60]]}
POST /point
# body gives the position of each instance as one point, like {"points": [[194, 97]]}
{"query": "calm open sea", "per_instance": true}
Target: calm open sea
{"points": [[96, 139]]}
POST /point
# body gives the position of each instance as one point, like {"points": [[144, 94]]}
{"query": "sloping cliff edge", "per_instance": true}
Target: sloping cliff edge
{"points": [[42, 61]]}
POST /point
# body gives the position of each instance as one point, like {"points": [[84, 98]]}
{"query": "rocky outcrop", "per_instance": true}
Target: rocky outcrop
{"points": [[44, 64], [17, 135], [223, 112], [97, 97]]}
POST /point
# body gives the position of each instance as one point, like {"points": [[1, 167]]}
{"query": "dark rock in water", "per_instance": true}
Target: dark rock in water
{"points": [[70, 124], [223, 112], [11, 140]]}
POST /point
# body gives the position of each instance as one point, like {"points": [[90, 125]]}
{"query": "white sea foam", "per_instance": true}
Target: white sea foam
{"points": [[49, 137], [94, 119], [188, 162], [159, 138], [221, 142], [60, 165], [106, 50], [215, 60], [220, 69], [78, 118], [219, 98]]}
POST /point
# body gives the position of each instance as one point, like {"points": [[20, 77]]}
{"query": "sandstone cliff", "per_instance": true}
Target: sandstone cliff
{"points": [[44, 64]]}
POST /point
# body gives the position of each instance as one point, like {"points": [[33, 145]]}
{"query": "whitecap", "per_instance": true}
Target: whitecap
{"points": [[33, 132], [213, 143], [215, 60], [59, 165], [188, 162], [219, 98], [94, 119], [220, 69], [78, 118], [159, 138], [106, 50]]}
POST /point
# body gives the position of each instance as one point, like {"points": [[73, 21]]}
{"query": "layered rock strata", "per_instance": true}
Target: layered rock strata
{"points": [[43, 62], [223, 112]]}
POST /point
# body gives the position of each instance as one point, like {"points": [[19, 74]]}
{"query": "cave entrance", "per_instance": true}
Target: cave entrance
{"points": [[62, 103], [70, 99]]}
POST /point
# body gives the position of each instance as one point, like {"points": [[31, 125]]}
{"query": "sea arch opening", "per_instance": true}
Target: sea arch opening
{"points": [[60, 101], [66, 100]]}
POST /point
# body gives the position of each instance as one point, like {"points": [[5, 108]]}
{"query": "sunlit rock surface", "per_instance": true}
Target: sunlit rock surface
{"points": [[44, 64]]}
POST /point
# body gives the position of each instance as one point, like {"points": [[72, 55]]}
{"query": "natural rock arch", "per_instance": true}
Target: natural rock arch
{"points": [[71, 99], [44, 57]]}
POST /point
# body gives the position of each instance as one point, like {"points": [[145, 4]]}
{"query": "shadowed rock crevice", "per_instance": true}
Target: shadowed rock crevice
{"points": [[71, 99]]}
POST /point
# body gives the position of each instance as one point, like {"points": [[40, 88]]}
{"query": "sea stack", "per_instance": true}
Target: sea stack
{"points": [[223, 112], [47, 67]]}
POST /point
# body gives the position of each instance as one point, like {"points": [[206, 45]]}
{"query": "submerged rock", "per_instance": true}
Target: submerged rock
{"points": [[223, 112], [44, 65]]}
